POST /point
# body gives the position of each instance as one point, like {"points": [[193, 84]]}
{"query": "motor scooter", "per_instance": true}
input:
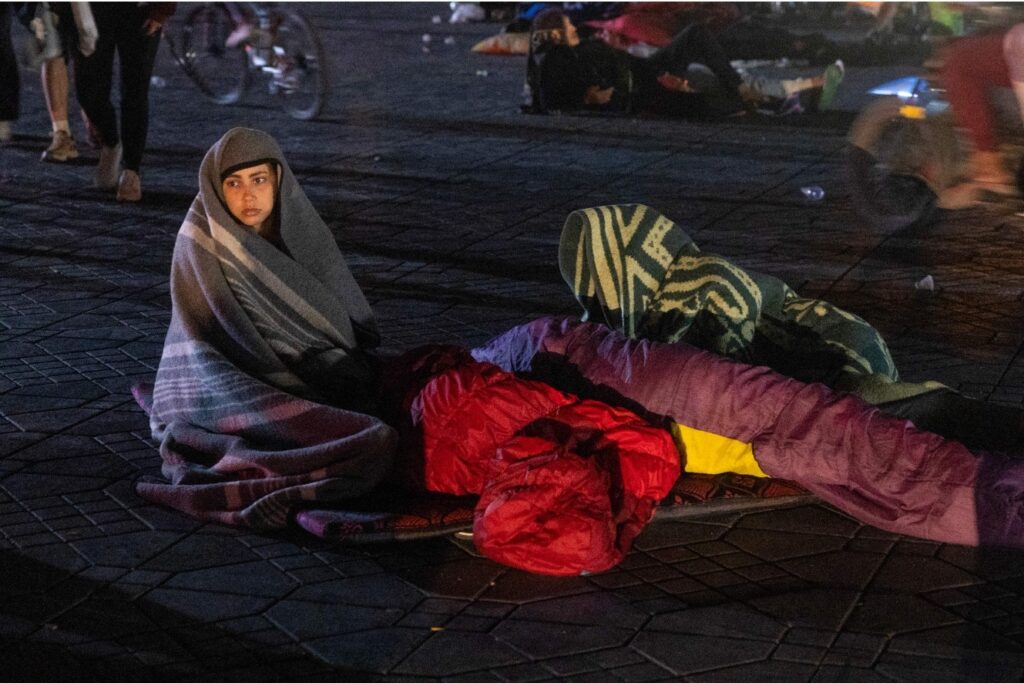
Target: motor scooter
{"points": [[905, 152]]}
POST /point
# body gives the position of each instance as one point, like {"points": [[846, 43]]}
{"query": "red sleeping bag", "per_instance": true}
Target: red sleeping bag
{"points": [[565, 485]]}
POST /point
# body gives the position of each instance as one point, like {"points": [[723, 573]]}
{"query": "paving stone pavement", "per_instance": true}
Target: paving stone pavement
{"points": [[448, 204]]}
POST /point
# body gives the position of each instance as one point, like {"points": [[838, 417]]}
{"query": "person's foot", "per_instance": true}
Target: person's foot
{"points": [[5, 132], [61, 148], [832, 77], [129, 187], [108, 168]]}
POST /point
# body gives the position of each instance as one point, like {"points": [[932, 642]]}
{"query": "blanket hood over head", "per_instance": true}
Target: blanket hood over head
{"points": [[302, 231]]}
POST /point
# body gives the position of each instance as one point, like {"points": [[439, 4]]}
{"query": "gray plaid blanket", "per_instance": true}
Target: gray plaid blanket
{"points": [[257, 401]]}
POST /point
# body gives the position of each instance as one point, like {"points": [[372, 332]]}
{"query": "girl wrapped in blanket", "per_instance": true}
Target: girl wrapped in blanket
{"points": [[262, 398]]}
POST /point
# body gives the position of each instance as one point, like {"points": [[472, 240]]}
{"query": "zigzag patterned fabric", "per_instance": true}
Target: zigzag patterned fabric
{"points": [[637, 271]]}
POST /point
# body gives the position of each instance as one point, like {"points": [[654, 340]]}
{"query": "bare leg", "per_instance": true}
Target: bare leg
{"points": [[54, 74], [55, 86]]}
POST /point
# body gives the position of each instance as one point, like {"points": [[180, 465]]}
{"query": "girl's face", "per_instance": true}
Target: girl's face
{"points": [[250, 194]]}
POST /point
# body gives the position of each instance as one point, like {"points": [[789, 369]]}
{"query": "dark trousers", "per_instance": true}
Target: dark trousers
{"points": [[695, 44], [120, 32], [10, 83], [746, 39]]}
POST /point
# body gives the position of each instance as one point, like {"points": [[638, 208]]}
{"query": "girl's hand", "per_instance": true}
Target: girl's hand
{"points": [[151, 27]]}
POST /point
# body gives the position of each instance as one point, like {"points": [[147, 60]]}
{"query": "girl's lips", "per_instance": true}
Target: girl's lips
{"points": [[251, 212]]}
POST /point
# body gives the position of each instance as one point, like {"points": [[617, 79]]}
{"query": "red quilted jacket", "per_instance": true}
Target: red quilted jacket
{"points": [[565, 485]]}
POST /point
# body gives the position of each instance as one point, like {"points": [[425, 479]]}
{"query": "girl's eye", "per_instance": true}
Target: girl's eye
{"points": [[260, 181]]}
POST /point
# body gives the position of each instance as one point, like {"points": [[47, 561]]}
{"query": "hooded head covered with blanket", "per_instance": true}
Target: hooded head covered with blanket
{"points": [[266, 359]]}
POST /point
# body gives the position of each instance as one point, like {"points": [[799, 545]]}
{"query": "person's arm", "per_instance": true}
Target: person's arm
{"points": [[159, 13], [563, 81]]}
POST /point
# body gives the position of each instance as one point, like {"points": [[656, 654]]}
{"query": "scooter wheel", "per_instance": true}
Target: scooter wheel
{"points": [[887, 200]]}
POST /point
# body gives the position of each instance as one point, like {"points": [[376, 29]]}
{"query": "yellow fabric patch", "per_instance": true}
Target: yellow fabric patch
{"points": [[707, 453]]}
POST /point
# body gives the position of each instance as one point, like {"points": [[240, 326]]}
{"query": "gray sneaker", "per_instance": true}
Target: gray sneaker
{"points": [[108, 168], [62, 147]]}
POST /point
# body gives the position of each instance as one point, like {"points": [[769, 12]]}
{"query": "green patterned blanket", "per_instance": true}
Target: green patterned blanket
{"points": [[637, 271]]}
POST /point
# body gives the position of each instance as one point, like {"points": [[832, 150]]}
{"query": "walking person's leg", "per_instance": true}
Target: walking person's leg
{"points": [[59, 26], [696, 44], [10, 83], [56, 91], [93, 82], [137, 55]]}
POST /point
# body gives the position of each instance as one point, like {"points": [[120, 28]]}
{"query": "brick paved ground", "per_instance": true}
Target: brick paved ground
{"points": [[448, 204]]}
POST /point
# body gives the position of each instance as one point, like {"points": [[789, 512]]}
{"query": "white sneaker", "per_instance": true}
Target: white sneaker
{"points": [[129, 187], [108, 168]]}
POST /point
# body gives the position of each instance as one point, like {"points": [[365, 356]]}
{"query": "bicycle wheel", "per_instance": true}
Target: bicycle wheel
{"points": [[887, 200], [301, 79], [220, 72]]}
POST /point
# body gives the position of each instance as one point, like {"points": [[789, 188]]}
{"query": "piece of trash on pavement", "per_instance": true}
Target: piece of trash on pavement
{"points": [[813, 192], [481, 72], [926, 283], [436, 19], [449, 40]]}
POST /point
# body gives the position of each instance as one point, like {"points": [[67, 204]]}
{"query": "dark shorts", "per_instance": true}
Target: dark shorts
{"points": [[66, 31]]}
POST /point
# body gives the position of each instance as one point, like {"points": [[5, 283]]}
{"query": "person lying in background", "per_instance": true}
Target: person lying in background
{"points": [[565, 73]]}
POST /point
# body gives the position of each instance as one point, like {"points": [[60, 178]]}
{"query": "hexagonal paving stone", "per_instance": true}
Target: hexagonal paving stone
{"points": [[309, 620], [729, 621], [448, 652], [544, 639], [685, 654]]}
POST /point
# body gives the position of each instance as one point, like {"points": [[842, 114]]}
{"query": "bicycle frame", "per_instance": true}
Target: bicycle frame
{"points": [[280, 43]]}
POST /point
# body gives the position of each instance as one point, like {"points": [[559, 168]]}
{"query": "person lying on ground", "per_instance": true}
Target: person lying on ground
{"points": [[565, 73], [731, 416], [639, 272]]}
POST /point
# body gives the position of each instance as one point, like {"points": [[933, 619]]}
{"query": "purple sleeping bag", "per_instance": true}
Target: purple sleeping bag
{"points": [[877, 468]]}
